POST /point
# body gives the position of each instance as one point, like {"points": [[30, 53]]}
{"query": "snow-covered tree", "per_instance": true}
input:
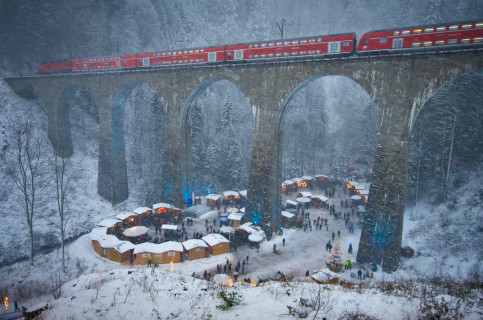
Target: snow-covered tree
{"points": [[335, 261]]}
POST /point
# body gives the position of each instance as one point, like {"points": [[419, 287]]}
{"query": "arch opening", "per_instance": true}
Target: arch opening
{"points": [[218, 125]]}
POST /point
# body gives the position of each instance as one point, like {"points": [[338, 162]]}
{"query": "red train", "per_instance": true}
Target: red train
{"points": [[447, 36]]}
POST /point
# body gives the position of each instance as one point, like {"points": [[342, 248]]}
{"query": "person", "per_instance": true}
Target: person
{"points": [[350, 265], [338, 234], [283, 242], [247, 259], [16, 306], [131, 260], [307, 273], [274, 247], [350, 247], [333, 236], [327, 226], [149, 261], [359, 274], [347, 265]]}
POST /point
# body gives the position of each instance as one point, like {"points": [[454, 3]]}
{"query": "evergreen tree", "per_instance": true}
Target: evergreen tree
{"points": [[335, 262]]}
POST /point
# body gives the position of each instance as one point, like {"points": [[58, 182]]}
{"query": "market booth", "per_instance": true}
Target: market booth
{"points": [[305, 194], [230, 195], [167, 211], [243, 193], [211, 199], [319, 200], [291, 204], [166, 252], [129, 219], [217, 244], [121, 251], [137, 234], [288, 218], [235, 218], [195, 249], [113, 225]]}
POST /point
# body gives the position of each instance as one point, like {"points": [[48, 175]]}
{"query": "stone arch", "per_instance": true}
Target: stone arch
{"points": [[276, 218], [187, 119], [136, 157], [60, 129]]}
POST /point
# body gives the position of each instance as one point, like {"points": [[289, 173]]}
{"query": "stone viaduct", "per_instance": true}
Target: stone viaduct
{"points": [[399, 85]]}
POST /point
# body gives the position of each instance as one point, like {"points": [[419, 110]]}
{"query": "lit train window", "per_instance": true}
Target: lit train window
{"points": [[286, 43], [250, 56], [345, 43], [479, 39], [169, 53], [318, 52], [479, 25], [466, 26], [310, 52], [270, 44], [320, 39], [278, 54], [303, 41], [270, 55], [294, 53], [280, 43], [257, 56], [295, 42], [396, 33], [416, 44], [383, 40], [286, 54], [441, 29], [255, 45], [263, 45], [191, 61], [191, 51], [439, 43], [197, 60], [428, 43], [185, 52], [406, 32], [164, 54], [452, 41], [202, 50], [453, 28], [312, 41], [263, 55], [465, 40], [417, 30], [202, 60], [301, 53]]}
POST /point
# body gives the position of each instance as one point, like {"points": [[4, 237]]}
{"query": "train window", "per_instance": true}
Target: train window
{"points": [[249, 46], [396, 33], [452, 41], [319, 39], [428, 30], [271, 44], [295, 42], [479, 25], [263, 56], [406, 32], [280, 43], [191, 51], [263, 45], [312, 41], [286, 43], [440, 43], [478, 39], [428, 43], [278, 54], [416, 44], [301, 53], [345, 43], [310, 52], [466, 26], [294, 53], [211, 56], [256, 56], [383, 40], [255, 45], [441, 29], [366, 40], [270, 55], [318, 52], [250, 56], [286, 54], [417, 30], [465, 40], [453, 27], [334, 47], [303, 41], [202, 50]]}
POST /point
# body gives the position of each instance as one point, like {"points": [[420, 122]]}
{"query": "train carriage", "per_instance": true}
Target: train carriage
{"points": [[462, 34], [54, 67]]}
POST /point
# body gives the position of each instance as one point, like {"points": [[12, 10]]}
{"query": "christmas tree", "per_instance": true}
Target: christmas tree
{"points": [[335, 262]]}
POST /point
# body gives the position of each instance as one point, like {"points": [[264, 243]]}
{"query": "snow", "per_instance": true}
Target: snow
{"points": [[288, 182], [214, 239], [324, 275], [235, 216], [141, 210], [194, 243], [221, 279], [230, 193], [124, 246], [213, 196], [356, 198], [287, 214], [125, 215], [243, 193], [97, 233], [321, 197], [169, 227], [158, 248], [307, 178], [108, 222], [135, 231], [303, 200], [164, 205], [227, 229], [305, 194], [255, 238], [294, 203], [108, 241]]}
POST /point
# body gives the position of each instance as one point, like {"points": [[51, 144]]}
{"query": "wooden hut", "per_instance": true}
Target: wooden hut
{"points": [[319, 200], [230, 195], [211, 199], [243, 193], [305, 194], [288, 218], [103, 244], [291, 204], [120, 252], [195, 249], [166, 210], [217, 244], [235, 218], [166, 252], [129, 219], [95, 235]]}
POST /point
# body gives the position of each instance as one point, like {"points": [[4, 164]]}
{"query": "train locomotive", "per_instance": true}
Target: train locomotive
{"points": [[448, 36]]}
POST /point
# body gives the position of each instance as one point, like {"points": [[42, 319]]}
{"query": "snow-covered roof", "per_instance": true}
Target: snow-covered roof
{"points": [[97, 233], [242, 210], [125, 215], [108, 222], [297, 179], [243, 193], [288, 182], [287, 214], [169, 227], [135, 231], [108, 241], [364, 192], [305, 194], [230, 193], [320, 197], [214, 239], [356, 197], [164, 205], [194, 243], [294, 203], [321, 176], [303, 199], [158, 248], [124, 246], [213, 196], [255, 237], [230, 210], [142, 210], [308, 178], [235, 216], [227, 229]]}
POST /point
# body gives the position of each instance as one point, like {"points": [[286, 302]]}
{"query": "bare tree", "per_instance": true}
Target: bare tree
{"points": [[64, 173], [23, 161]]}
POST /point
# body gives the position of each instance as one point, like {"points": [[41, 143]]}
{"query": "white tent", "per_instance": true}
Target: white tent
{"points": [[135, 231], [255, 238], [169, 227], [303, 200], [356, 197], [213, 196]]}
